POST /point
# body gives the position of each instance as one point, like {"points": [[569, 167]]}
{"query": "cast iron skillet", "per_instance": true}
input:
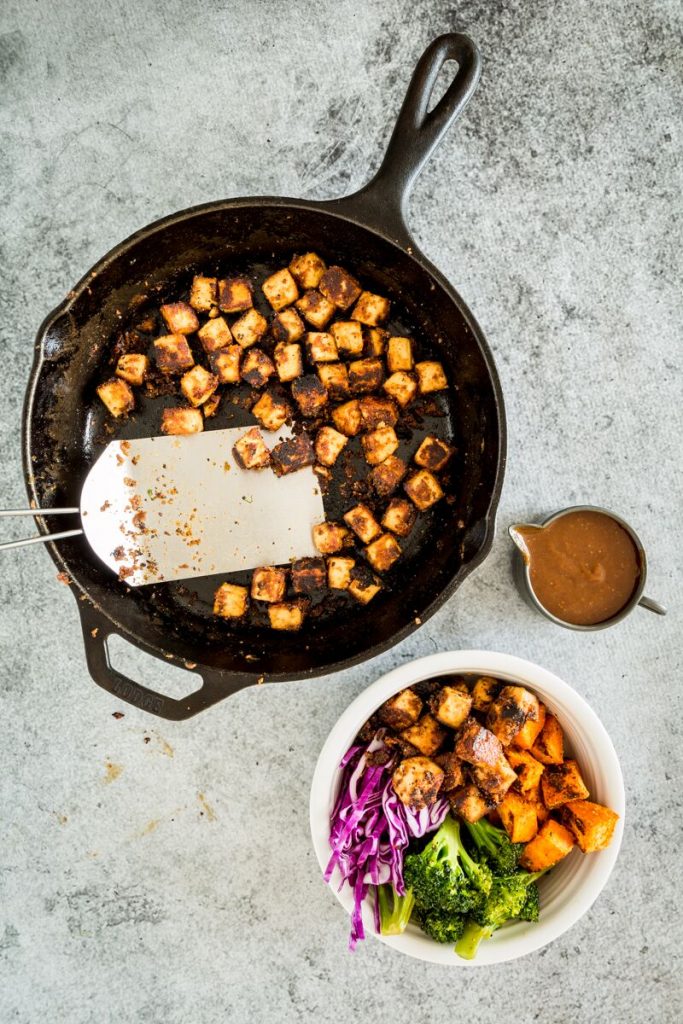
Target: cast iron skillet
{"points": [[366, 232]]}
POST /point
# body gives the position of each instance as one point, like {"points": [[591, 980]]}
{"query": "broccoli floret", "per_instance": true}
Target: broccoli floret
{"points": [[530, 910], [441, 927], [443, 876], [501, 854], [472, 934], [506, 900], [394, 910]]}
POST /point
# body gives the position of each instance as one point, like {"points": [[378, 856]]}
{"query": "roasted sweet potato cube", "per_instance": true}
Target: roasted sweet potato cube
{"points": [[339, 572], [210, 406], [287, 615], [197, 385], [339, 287], [561, 784], [250, 328], [365, 375], [271, 410], [476, 744], [310, 394], [529, 771], [334, 378], [172, 353], [364, 585], [234, 295], [315, 309], [280, 289], [399, 354], [329, 445], [292, 454], [203, 293], [453, 775], [450, 706], [309, 575], [371, 309], [379, 444], [401, 387], [268, 583], [226, 364], [469, 802], [433, 454], [329, 538], [348, 335], [377, 412], [423, 489], [363, 523], [117, 396], [287, 326], [506, 715], [528, 734], [308, 269], [484, 691], [494, 780], [374, 342], [251, 451], [550, 845], [430, 377], [417, 781], [346, 418], [230, 601], [180, 318], [427, 735], [386, 477], [383, 552], [320, 347], [181, 421], [288, 361], [401, 711], [399, 517], [132, 367], [257, 368], [518, 817], [214, 334], [549, 746], [592, 825]]}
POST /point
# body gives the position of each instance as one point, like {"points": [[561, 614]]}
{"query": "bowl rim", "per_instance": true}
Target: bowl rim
{"points": [[527, 938]]}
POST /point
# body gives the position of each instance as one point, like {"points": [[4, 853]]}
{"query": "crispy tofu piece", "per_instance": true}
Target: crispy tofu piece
{"points": [[329, 445], [132, 367], [399, 354], [309, 575], [365, 375], [506, 715], [364, 584], [268, 583], [377, 412], [210, 406], [433, 454], [530, 731], [450, 706], [339, 287], [180, 318], [329, 538], [371, 309], [430, 377], [271, 411], [347, 418], [477, 745], [518, 817], [417, 782], [172, 353], [592, 825], [386, 477], [214, 334], [399, 517], [308, 269], [287, 326], [550, 845], [349, 337], [234, 295], [197, 385], [251, 451], [230, 601], [226, 364], [423, 489], [292, 454], [379, 444], [310, 395], [427, 735], [383, 552], [363, 523], [494, 781], [401, 711], [529, 771], [401, 387], [117, 396], [203, 293], [469, 803], [287, 615], [182, 421], [288, 361], [257, 368], [484, 692], [561, 784], [453, 775], [339, 572], [334, 378], [374, 342], [250, 328], [321, 347], [549, 746], [280, 289], [315, 309]]}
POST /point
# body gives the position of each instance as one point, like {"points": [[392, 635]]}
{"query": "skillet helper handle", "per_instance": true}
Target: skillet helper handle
{"points": [[97, 629]]}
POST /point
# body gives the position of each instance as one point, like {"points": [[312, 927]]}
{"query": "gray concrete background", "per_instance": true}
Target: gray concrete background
{"points": [[163, 873]]}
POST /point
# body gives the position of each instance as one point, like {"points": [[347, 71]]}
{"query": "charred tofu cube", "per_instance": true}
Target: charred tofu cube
{"points": [[450, 706], [383, 552], [180, 318], [268, 584], [309, 575], [484, 692], [288, 361], [181, 421], [329, 445], [117, 396], [430, 377], [132, 368], [401, 710], [329, 538], [203, 293], [508, 713], [399, 354], [234, 295], [469, 803], [226, 364], [321, 347], [172, 353], [365, 375], [377, 412], [210, 406], [453, 775], [339, 287], [562, 783], [426, 735], [349, 337], [433, 454], [363, 523], [417, 782], [292, 454], [592, 825], [379, 444], [214, 334], [494, 780], [230, 601], [335, 379], [198, 385], [364, 585], [308, 269], [401, 387], [347, 418], [257, 368], [287, 326], [315, 309], [287, 615], [280, 289], [250, 328], [399, 517], [251, 451], [371, 309], [423, 489], [309, 394], [477, 745], [374, 341], [386, 477], [271, 411], [339, 572]]}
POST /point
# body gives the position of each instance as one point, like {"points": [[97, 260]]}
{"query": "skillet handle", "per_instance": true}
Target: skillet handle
{"points": [[215, 686]]}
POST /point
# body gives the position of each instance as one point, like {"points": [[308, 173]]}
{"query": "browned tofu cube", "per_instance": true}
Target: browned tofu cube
{"points": [[268, 583], [180, 318], [234, 295], [117, 396], [308, 269], [364, 585], [365, 375], [399, 354], [484, 692], [379, 444], [562, 783], [349, 337], [287, 326], [401, 711], [335, 379], [203, 293], [172, 353], [363, 523], [469, 803], [181, 421], [230, 601], [433, 454], [508, 713], [287, 615], [592, 825], [339, 572], [417, 782], [321, 347], [423, 489], [309, 575], [377, 412], [371, 309], [251, 451], [401, 387], [453, 775], [339, 287], [309, 394], [386, 477], [451, 706], [315, 309], [210, 406], [399, 517], [280, 289], [250, 328], [329, 445], [494, 781], [383, 552], [292, 454], [426, 735], [257, 368], [430, 377], [214, 334], [288, 361], [197, 385], [226, 364], [271, 410], [477, 745], [329, 538], [346, 418], [374, 342], [132, 368]]}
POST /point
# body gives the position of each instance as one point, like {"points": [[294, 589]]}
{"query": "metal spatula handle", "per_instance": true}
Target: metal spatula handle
{"points": [[43, 537]]}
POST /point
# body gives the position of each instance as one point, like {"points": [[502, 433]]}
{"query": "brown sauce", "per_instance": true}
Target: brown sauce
{"points": [[583, 567]]}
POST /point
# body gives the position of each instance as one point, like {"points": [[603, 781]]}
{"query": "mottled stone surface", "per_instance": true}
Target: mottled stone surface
{"points": [[173, 880]]}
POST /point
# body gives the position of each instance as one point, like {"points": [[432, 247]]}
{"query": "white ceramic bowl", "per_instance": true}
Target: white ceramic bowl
{"points": [[572, 887]]}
